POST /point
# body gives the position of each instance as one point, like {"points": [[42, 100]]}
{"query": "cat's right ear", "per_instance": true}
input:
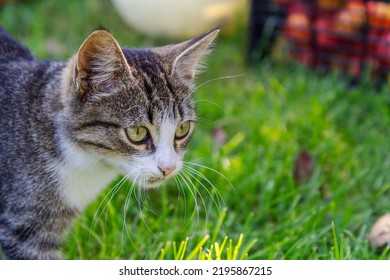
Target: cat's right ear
{"points": [[188, 61], [100, 65]]}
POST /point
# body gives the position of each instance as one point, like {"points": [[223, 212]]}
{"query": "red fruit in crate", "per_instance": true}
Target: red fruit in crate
{"points": [[297, 25], [373, 41], [348, 25], [351, 19], [325, 36], [372, 13], [383, 49], [378, 14], [343, 22], [374, 38], [358, 11]]}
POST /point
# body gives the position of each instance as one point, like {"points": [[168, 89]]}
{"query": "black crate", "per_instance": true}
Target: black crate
{"points": [[346, 35]]}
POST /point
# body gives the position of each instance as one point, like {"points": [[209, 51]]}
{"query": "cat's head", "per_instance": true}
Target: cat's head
{"points": [[132, 108]]}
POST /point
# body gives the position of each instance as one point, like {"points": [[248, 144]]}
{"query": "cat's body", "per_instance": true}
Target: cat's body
{"points": [[69, 128]]}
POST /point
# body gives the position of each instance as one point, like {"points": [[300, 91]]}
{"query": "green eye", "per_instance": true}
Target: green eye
{"points": [[137, 134], [182, 130]]}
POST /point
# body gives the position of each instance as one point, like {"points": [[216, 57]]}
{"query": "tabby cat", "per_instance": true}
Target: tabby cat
{"points": [[69, 128]]}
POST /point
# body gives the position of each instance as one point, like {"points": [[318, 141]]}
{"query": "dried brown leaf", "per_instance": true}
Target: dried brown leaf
{"points": [[303, 167]]}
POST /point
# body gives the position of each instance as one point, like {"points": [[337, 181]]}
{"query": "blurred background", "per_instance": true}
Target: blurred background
{"points": [[291, 150], [348, 36]]}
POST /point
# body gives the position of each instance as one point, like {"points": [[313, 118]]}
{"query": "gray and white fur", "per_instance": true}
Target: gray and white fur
{"points": [[67, 129]]}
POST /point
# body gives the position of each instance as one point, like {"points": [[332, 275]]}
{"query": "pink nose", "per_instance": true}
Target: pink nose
{"points": [[166, 170]]}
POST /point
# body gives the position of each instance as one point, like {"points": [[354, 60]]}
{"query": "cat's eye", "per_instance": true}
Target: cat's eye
{"points": [[137, 134], [182, 130]]}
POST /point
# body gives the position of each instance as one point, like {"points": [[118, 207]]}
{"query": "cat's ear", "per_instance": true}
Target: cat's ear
{"points": [[189, 55], [100, 65]]}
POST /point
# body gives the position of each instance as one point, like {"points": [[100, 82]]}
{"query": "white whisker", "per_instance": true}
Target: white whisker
{"points": [[203, 120], [213, 80], [125, 228], [141, 207], [200, 174], [99, 212], [213, 170], [179, 180], [217, 201], [188, 179], [211, 102], [196, 205], [182, 190]]}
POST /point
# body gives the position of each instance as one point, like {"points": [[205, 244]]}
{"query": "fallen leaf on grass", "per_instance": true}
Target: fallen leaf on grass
{"points": [[380, 232], [303, 167]]}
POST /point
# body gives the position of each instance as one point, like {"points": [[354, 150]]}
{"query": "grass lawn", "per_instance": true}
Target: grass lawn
{"points": [[246, 189]]}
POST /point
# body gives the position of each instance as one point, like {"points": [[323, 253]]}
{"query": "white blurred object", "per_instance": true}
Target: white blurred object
{"points": [[176, 18]]}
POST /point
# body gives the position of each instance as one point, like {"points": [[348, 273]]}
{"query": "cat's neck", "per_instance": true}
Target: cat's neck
{"points": [[82, 176]]}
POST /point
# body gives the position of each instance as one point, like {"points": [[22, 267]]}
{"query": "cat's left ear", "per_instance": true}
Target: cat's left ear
{"points": [[189, 55], [100, 66]]}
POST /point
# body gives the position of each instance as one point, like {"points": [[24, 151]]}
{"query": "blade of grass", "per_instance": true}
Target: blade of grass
{"points": [[198, 247], [335, 243]]}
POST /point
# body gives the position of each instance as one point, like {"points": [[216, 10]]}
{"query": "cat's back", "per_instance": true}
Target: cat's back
{"points": [[17, 67], [11, 49], [29, 94], [24, 80], [29, 89]]}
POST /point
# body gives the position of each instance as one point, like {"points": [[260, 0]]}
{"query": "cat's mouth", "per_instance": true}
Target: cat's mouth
{"points": [[154, 182]]}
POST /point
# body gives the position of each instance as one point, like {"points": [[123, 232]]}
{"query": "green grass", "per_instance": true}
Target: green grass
{"points": [[269, 113]]}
